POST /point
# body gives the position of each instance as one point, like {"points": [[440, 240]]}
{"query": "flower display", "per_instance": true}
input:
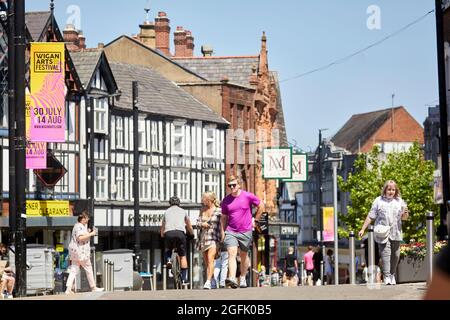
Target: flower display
{"points": [[418, 250]]}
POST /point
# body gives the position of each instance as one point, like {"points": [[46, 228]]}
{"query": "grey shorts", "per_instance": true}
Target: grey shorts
{"points": [[238, 239]]}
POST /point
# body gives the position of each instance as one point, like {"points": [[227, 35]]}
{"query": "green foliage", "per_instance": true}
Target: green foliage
{"points": [[414, 177]]}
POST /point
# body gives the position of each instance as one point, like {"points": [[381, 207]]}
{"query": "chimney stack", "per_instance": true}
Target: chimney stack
{"points": [[70, 35], [81, 40], [162, 30], [207, 50], [189, 44], [147, 35], [180, 42]]}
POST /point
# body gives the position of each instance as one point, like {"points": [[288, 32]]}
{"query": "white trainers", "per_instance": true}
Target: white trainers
{"points": [[207, 285], [387, 280], [242, 282], [98, 289], [393, 282]]}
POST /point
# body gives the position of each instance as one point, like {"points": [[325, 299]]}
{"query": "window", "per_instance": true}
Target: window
{"points": [[119, 183], [119, 132], [210, 139], [211, 183], [100, 115], [180, 185], [154, 136], [178, 138], [155, 185], [144, 184], [141, 134], [100, 182]]}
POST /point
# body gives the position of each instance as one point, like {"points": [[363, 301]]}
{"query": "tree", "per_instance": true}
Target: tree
{"points": [[414, 177]]}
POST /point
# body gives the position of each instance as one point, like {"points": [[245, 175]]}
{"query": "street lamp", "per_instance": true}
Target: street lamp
{"points": [[319, 186]]}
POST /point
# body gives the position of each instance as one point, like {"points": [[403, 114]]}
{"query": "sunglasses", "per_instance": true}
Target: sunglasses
{"points": [[232, 185]]}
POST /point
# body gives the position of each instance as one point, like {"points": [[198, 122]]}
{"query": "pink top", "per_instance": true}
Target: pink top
{"points": [[308, 258], [239, 211]]}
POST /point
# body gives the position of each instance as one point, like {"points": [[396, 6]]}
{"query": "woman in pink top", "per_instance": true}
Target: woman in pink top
{"points": [[309, 264]]}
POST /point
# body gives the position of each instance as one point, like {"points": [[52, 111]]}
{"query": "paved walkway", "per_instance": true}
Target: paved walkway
{"points": [[413, 291]]}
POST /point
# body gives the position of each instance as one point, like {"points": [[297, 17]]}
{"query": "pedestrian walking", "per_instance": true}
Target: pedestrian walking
{"points": [[237, 219], [317, 259], [210, 234], [290, 265], [309, 265], [388, 211], [329, 266], [221, 267], [80, 253]]}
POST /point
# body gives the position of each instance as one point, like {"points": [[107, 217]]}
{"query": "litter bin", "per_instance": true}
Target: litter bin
{"points": [[40, 272], [123, 267]]}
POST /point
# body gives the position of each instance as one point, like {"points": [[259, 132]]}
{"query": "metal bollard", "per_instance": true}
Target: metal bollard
{"points": [[352, 257], [109, 275], [302, 269], [164, 277], [321, 271], [105, 274], [430, 243], [154, 277], [112, 275], [372, 269]]}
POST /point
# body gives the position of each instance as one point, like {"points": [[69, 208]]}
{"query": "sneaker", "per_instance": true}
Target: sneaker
{"points": [[207, 285], [9, 296], [387, 280], [231, 283], [68, 291], [393, 282], [242, 282], [98, 289]]}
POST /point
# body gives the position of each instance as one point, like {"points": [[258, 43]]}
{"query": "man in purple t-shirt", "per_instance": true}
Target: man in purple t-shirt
{"points": [[237, 217]]}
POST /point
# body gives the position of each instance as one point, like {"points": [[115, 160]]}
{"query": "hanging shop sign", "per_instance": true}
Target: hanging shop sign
{"points": [[47, 83], [299, 168], [277, 163]]}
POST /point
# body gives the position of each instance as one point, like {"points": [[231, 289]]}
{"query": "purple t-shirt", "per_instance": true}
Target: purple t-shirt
{"points": [[239, 211]]}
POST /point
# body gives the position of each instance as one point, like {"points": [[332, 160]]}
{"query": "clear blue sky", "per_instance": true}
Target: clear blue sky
{"points": [[302, 35]]}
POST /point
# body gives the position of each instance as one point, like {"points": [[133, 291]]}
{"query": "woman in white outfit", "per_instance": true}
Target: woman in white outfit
{"points": [[388, 211], [80, 253]]}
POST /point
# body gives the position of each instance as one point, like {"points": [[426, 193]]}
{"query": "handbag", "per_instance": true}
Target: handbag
{"points": [[381, 233]]}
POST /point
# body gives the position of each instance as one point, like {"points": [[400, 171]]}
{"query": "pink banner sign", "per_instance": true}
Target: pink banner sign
{"points": [[328, 224], [36, 155]]}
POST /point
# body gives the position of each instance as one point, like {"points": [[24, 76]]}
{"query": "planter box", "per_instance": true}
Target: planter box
{"points": [[411, 270]]}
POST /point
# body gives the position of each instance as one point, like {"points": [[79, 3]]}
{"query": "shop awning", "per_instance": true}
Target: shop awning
{"points": [[37, 222]]}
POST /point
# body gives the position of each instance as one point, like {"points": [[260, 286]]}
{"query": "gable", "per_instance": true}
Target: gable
{"points": [[127, 50]]}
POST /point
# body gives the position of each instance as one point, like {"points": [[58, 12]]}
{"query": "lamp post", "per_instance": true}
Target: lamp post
{"points": [[319, 185], [335, 164]]}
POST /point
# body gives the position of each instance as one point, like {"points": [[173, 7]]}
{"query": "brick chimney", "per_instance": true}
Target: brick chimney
{"points": [[207, 50], [148, 35], [70, 35], [180, 42], [162, 30], [189, 44], [81, 40]]}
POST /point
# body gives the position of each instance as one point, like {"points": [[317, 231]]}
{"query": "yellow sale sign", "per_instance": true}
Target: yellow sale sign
{"points": [[37, 208]]}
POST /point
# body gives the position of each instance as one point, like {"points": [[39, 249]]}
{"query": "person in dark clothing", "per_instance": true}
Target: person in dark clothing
{"points": [[317, 258], [290, 263]]}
